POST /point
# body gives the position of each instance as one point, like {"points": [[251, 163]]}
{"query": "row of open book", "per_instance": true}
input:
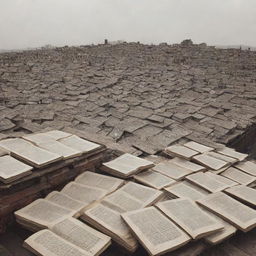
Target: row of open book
{"points": [[130, 212], [20, 155]]}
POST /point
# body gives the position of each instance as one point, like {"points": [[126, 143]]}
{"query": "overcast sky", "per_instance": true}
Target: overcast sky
{"points": [[33, 23]]}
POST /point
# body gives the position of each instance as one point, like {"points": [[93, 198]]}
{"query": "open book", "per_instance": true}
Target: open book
{"points": [[207, 182], [97, 180], [181, 151], [221, 235], [238, 176], [185, 189], [45, 141], [172, 170], [156, 233], [79, 144], [147, 196], [12, 169], [188, 215], [29, 153], [65, 201], [68, 237], [231, 210], [187, 164], [154, 179], [83, 193], [110, 222], [126, 165], [41, 214], [198, 147], [248, 167], [244, 194]]}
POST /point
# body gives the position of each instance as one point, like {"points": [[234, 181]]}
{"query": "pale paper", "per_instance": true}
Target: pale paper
{"points": [[11, 169], [43, 213], [231, 210], [187, 164], [232, 153], [57, 135], [154, 179], [221, 235], [248, 167], [28, 152], [222, 179], [144, 194], [190, 217], [110, 222], [79, 144], [83, 193], [107, 183], [81, 235], [238, 176], [65, 201], [181, 151], [172, 170], [156, 232], [198, 147], [126, 165], [186, 189], [210, 162], [222, 157], [243, 193], [46, 243], [206, 182], [122, 202]]}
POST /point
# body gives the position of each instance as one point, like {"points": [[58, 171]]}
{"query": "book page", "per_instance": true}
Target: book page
{"points": [[222, 179], [56, 134], [238, 176], [28, 152], [172, 170], [43, 213], [142, 193], [210, 162], [232, 153], [198, 147], [187, 164], [65, 201], [126, 165], [206, 182], [186, 189], [83, 193], [107, 183], [11, 168], [47, 243], [248, 167], [59, 148], [79, 144], [222, 234], [181, 151], [243, 193], [231, 210], [122, 202], [83, 236], [110, 222], [188, 215], [156, 232], [154, 179]]}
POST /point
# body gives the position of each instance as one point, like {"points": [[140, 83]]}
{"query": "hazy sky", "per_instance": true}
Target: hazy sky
{"points": [[32, 23]]}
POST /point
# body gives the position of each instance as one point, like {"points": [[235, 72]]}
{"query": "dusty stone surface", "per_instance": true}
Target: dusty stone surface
{"points": [[145, 97]]}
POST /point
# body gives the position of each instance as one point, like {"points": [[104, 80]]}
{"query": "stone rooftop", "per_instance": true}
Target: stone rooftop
{"points": [[143, 96]]}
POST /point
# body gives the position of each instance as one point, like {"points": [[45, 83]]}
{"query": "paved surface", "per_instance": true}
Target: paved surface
{"points": [[143, 96]]}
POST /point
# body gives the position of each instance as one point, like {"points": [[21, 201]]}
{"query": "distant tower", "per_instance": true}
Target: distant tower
{"points": [[106, 41]]}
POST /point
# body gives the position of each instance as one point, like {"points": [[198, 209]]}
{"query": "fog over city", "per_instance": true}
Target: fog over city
{"points": [[35, 23]]}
